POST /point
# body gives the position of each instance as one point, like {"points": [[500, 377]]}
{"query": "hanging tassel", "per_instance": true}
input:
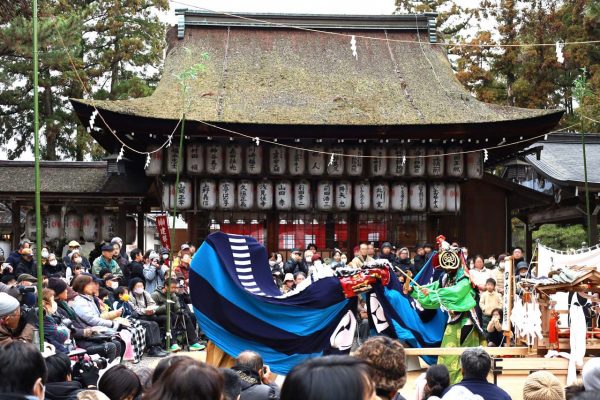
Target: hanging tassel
{"points": [[93, 118], [332, 159], [121, 153], [353, 46], [403, 161], [257, 141], [485, 155], [147, 161]]}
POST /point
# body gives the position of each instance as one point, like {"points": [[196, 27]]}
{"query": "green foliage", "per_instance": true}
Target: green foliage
{"points": [[116, 47], [561, 237]]}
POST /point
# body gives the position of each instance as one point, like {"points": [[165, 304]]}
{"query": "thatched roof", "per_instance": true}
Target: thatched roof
{"points": [[262, 75]]}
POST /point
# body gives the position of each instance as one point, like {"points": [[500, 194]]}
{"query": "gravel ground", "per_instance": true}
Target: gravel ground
{"points": [[150, 362]]}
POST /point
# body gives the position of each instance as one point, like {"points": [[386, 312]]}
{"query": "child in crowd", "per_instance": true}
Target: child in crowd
{"points": [[489, 300], [495, 334]]}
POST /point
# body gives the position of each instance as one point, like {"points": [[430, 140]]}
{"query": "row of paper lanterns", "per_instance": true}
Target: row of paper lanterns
{"points": [[91, 227], [233, 159], [285, 195]]}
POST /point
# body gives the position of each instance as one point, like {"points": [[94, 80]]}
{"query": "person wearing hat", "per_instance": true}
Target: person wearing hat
{"points": [[453, 291], [26, 265], [154, 271], [296, 263], [183, 250], [542, 385], [15, 325], [288, 282], [15, 257], [387, 254], [74, 246], [106, 261], [111, 283]]}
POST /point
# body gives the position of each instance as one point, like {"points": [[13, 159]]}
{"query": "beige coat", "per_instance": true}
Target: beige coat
{"points": [[489, 301]]}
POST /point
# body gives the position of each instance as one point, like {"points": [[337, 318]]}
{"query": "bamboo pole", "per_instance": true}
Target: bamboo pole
{"points": [[36, 147]]}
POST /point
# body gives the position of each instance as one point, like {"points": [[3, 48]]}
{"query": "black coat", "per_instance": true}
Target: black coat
{"points": [[25, 267], [133, 270], [293, 267], [63, 390], [419, 262]]}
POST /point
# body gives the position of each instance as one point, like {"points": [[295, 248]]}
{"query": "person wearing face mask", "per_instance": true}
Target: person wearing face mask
{"points": [[15, 324], [499, 274], [144, 309], [54, 333], [52, 268], [75, 247], [276, 264], [154, 272], [111, 283]]}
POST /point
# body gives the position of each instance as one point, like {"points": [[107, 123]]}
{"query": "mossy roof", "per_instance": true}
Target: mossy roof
{"points": [[291, 77]]}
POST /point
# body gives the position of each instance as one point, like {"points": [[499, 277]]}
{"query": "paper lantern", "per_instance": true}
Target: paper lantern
{"points": [[4, 249], [52, 226], [277, 161], [354, 164], [302, 195], [297, 162], [233, 159], [343, 195], [214, 159], [283, 195], [416, 161], [396, 166], [475, 165], [194, 159], [362, 196], [435, 161], [378, 164], [130, 230], [207, 194], [264, 195], [226, 195], [452, 197], [455, 163], [172, 155], [381, 197], [72, 226], [245, 194], [418, 196], [399, 197], [254, 160], [336, 168], [437, 197], [156, 158], [91, 227], [183, 197], [30, 229], [316, 162], [108, 226], [325, 197]]}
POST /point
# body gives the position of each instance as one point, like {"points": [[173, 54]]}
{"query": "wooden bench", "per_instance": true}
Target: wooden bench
{"points": [[457, 351]]}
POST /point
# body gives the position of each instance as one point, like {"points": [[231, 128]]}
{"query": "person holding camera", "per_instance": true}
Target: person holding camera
{"points": [[64, 381], [255, 377], [154, 272], [160, 298]]}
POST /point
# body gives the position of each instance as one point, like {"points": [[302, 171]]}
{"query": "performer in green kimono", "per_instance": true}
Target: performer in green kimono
{"points": [[454, 293]]}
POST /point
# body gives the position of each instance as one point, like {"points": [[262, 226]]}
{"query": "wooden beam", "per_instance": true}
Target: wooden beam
{"points": [[457, 351], [555, 215]]}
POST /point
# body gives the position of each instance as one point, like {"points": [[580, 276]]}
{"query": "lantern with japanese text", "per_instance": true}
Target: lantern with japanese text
{"points": [[72, 226], [245, 194], [254, 160], [156, 158], [397, 163], [455, 162], [233, 159], [336, 166], [207, 194], [399, 197], [378, 161], [226, 195], [435, 161], [437, 197], [354, 164], [91, 227], [316, 161], [452, 197], [325, 196], [475, 165], [343, 195], [416, 161], [283, 195], [130, 230], [172, 155], [53, 226], [297, 162], [417, 195], [381, 197], [194, 159], [108, 226], [277, 161], [30, 229], [362, 195], [264, 195], [214, 159], [302, 200], [183, 197]]}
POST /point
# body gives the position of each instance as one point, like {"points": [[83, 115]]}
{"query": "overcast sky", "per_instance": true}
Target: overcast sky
{"points": [[281, 6]]}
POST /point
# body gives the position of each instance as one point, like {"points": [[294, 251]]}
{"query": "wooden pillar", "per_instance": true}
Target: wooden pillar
{"points": [[352, 233], [272, 241], [141, 231], [121, 222], [528, 241], [16, 224], [192, 230]]}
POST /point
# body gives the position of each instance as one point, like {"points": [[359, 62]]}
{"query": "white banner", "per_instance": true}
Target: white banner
{"points": [[549, 259]]}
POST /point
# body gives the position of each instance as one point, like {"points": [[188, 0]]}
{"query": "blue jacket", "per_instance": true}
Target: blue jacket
{"points": [[487, 390]]}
